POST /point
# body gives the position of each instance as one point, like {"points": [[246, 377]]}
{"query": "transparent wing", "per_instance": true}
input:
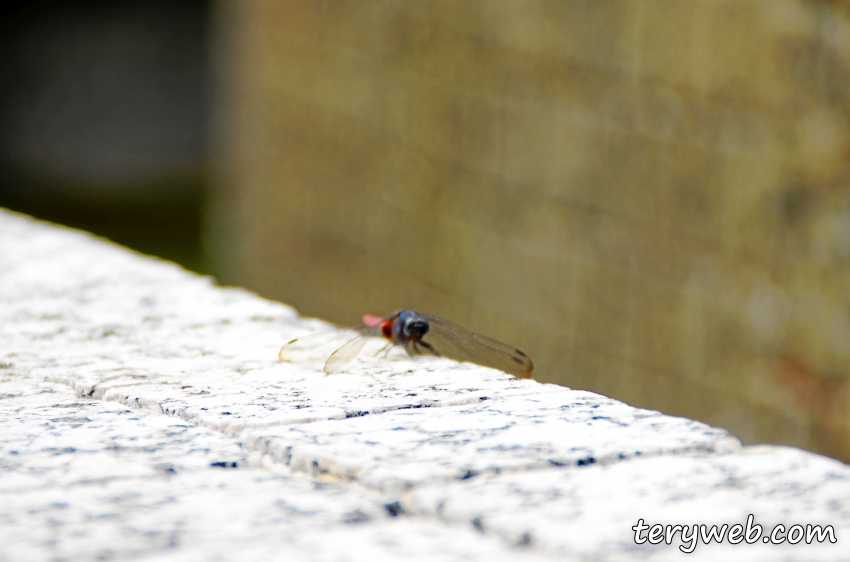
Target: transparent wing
{"points": [[350, 350], [450, 340], [333, 348], [311, 348]]}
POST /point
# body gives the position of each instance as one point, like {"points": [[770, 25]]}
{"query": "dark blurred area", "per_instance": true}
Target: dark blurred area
{"points": [[103, 119]]}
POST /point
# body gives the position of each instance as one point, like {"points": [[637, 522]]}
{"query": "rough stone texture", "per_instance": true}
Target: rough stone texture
{"points": [[144, 415], [650, 197]]}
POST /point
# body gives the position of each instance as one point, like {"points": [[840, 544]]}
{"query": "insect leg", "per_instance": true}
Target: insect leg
{"points": [[388, 348], [385, 348], [429, 347]]}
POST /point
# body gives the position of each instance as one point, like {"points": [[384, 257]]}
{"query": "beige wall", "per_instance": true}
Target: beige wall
{"points": [[651, 198]]}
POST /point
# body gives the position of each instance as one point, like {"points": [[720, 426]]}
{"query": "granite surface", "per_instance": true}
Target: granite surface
{"points": [[144, 414]]}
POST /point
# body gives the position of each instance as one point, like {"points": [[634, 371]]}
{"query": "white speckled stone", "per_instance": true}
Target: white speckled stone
{"points": [[144, 414]]}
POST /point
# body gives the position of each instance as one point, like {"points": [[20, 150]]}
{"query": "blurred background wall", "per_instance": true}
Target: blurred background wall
{"points": [[650, 197]]}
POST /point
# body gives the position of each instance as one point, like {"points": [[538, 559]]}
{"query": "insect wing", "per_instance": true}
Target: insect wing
{"points": [[350, 350], [312, 348], [333, 348], [459, 343]]}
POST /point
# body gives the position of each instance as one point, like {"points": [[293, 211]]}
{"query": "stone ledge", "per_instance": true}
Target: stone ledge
{"points": [[98, 343]]}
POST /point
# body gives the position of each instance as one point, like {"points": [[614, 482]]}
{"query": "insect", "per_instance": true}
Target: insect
{"points": [[417, 334]]}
